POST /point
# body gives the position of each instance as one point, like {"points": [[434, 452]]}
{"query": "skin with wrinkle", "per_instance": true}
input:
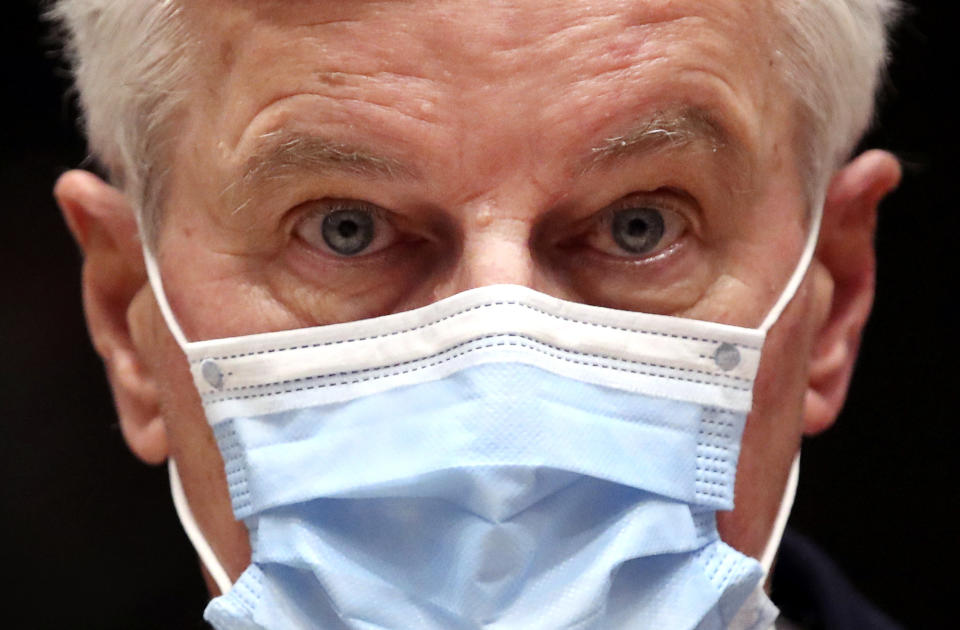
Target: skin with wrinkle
{"points": [[496, 139], [422, 84]]}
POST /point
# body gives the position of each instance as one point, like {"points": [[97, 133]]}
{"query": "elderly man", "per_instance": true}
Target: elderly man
{"points": [[464, 314]]}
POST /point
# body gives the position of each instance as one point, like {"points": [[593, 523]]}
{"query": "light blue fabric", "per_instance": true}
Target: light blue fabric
{"points": [[502, 496]]}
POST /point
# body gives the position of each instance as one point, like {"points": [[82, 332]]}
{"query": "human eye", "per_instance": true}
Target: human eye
{"points": [[646, 251], [637, 227], [345, 228]]}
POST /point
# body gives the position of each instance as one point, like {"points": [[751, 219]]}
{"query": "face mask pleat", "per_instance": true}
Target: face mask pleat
{"points": [[487, 416]]}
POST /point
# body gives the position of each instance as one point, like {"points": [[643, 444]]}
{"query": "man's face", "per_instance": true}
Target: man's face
{"points": [[481, 143]]}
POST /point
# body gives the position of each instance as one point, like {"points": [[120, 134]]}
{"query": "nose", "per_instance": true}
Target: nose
{"points": [[497, 248]]}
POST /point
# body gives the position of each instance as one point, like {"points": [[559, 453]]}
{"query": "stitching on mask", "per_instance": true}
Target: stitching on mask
{"points": [[704, 472], [720, 491], [245, 593], [729, 564], [711, 467], [709, 459], [461, 312], [507, 335], [714, 456], [704, 521], [715, 427], [715, 434], [717, 423], [219, 396], [234, 464], [709, 495], [720, 566], [717, 467], [706, 556]]}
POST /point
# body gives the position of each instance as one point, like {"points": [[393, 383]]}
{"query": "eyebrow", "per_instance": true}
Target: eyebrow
{"points": [[664, 130], [284, 152], [280, 152]]}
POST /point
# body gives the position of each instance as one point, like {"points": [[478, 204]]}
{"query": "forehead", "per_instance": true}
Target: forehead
{"points": [[493, 36], [506, 66]]}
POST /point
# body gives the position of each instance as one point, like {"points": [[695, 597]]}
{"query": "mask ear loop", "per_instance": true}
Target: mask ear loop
{"points": [[783, 514], [189, 524], [800, 272], [180, 502], [758, 612], [156, 283], [790, 491]]}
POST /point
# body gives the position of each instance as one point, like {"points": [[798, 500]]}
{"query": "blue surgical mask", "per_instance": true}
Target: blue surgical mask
{"points": [[498, 459]]}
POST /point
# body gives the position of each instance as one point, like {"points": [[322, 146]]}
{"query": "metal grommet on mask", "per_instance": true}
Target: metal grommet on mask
{"points": [[212, 374], [727, 357]]}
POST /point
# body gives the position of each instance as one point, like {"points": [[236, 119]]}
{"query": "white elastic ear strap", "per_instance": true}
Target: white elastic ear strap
{"points": [[783, 513], [180, 502], [800, 271], [156, 283], [790, 492], [189, 524]]}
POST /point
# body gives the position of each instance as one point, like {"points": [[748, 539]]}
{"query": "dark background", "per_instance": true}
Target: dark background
{"points": [[88, 536]]}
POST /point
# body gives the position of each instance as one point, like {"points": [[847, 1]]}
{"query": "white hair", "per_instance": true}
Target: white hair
{"points": [[833, 55], [130, 59]]}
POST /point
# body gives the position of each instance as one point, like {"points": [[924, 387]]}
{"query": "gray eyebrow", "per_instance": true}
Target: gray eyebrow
{"points": [[283, 153], [664, 130]]}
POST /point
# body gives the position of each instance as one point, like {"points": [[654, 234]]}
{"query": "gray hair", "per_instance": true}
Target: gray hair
{"points": [[833, 56], [130, 59]]}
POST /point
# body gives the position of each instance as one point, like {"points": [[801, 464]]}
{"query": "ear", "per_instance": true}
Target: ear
{"points": [[844, 276], [114, 291]]}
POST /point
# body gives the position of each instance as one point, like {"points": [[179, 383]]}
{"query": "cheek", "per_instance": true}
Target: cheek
{"points": [[195, 451], [774, 430]]}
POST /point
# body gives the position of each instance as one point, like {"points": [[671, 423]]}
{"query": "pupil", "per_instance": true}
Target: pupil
{"points": [[637, 227], [348, 232], [638, 230], [348, 228]]}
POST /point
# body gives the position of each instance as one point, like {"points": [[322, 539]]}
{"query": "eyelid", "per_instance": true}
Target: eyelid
{"points": [[661, 199], [330, 206]]}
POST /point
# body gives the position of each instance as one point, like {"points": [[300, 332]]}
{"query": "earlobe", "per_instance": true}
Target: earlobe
{"points": [[843, 276], [115, 292]]}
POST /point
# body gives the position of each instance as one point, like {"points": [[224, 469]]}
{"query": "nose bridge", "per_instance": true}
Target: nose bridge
{"points": [[496, 250], [495, 246]]}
